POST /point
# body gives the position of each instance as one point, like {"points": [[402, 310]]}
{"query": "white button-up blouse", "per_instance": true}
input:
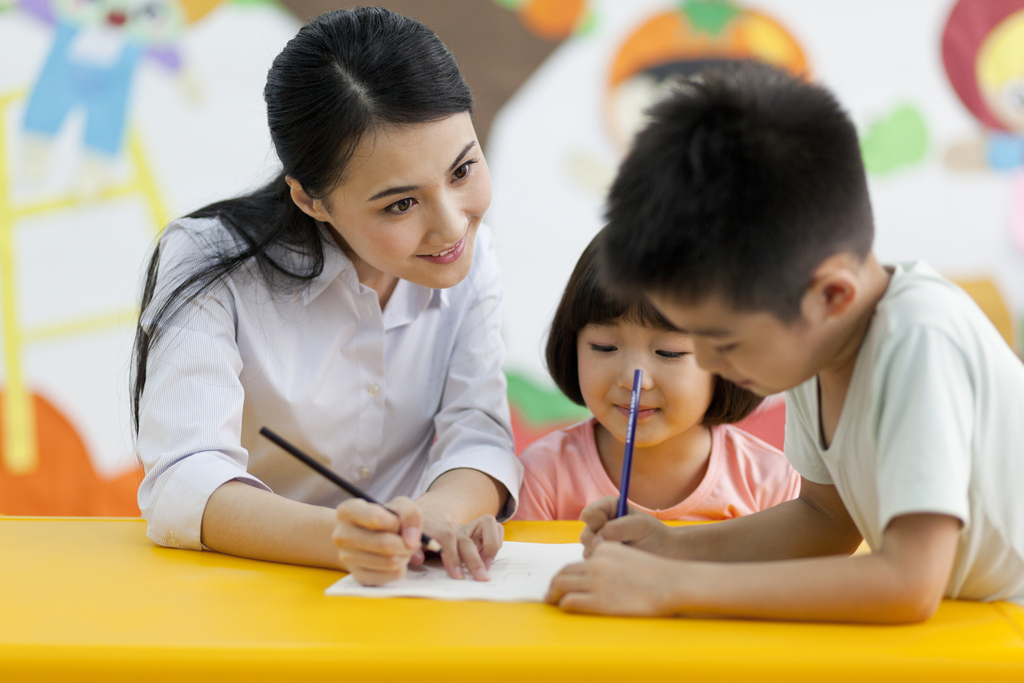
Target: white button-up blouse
{"points": [[390, 400]]}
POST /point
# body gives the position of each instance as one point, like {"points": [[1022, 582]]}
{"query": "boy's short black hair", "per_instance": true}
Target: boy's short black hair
{"points": [[586, 302], [744, 181]]}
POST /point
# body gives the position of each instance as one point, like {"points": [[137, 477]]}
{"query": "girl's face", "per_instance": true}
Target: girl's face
{"points": [[675, 392], [411, 203]]}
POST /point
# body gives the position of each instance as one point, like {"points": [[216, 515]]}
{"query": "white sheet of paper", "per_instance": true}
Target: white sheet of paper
{"points": [[521, 572]]}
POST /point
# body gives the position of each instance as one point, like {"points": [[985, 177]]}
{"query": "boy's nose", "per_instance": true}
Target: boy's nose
{"points": [[707, 358]]}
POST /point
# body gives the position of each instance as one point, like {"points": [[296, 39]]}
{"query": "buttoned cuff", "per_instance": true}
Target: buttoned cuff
{"points": [[499, 464], [174, 508]]}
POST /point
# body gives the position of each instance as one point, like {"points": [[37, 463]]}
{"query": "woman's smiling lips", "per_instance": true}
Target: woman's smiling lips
{"points": [[448, 255]]}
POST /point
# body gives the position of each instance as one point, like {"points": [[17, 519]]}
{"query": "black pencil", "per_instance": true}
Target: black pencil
{"points": [[428, 543]]}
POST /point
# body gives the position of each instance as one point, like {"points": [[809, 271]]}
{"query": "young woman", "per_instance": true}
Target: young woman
{"points": [[352, 305]]}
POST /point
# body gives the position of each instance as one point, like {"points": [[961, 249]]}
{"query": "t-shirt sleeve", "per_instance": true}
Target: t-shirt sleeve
{"points": [[924, 425], [801, 442]]}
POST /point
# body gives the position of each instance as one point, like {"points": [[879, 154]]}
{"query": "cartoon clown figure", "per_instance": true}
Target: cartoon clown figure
{"points": [[983, 52], [672, 44], [97, 47], [694, 35]]}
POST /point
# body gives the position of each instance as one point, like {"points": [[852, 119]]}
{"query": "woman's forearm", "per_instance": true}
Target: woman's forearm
{"points": [[249, 522], [462, 495]]}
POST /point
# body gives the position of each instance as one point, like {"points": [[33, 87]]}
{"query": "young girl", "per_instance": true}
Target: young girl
{"points": [[689, 463], [352, 305]]}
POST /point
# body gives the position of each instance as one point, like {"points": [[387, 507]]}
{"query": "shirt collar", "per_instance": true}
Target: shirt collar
{"points": [[335, 263], [412, 301]]}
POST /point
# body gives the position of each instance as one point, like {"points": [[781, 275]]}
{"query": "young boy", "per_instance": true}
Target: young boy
{"points": [[742, 213]]}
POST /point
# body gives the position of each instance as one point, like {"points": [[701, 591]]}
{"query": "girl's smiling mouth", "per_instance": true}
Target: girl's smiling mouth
{"points": [[641, 412], [448, 255]]}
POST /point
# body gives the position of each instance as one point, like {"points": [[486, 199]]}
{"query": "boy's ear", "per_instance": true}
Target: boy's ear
{"points": [[834, 288], [310, 207]]}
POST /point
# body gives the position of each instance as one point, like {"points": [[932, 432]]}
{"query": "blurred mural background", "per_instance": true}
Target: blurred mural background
{"points": [[118, 115]]}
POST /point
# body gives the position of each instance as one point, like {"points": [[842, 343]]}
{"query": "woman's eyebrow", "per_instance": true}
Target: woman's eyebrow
{"points": [[394, 190], [458, 160], [411, 188]]}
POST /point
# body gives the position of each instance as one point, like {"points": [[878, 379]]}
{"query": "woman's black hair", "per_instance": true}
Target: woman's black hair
{"points": [[344, 75], [587, 302]]}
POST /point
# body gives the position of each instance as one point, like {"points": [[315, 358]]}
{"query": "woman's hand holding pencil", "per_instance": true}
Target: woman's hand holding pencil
{"points": [[377, 544]]}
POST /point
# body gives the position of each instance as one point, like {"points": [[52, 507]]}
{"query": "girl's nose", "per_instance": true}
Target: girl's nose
{"points": [[626, 377]]}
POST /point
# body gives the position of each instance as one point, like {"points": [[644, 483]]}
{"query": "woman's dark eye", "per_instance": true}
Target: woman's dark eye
{"points": [[462, 171], [671, 354], [401, 206], [601, 348]]}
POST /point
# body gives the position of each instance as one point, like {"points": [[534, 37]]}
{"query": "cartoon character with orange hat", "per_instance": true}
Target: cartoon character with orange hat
{"points": [[983, 52], [674, 43], [679, 42], [97, 46], [551, 19]]}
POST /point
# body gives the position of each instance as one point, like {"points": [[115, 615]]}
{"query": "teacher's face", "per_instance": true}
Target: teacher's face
{"points": [[411, 202]]}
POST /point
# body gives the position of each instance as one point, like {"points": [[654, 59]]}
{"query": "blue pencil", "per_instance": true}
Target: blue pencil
{"points": [[627, 453]]}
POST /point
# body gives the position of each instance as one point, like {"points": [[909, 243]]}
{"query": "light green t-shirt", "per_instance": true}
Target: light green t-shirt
{"points": [[933, 421]]}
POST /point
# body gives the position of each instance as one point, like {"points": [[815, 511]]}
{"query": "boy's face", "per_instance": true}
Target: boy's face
{"points": [[754, 350]]}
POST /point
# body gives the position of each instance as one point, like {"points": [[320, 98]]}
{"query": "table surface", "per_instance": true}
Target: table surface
{"points": [[94, 599]]}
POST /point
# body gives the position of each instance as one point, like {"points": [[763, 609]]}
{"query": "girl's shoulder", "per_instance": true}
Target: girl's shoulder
{"points": [[755, 465], [548, 450]]}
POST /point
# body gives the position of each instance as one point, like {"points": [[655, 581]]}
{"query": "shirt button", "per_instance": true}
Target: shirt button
{"points": [[364, 472], [373, 389]]}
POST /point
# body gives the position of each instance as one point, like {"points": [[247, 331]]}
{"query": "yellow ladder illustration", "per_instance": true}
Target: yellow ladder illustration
{"points": [[20, 448]]}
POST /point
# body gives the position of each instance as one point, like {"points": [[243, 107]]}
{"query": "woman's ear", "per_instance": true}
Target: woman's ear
{"points": [[311, 207]]}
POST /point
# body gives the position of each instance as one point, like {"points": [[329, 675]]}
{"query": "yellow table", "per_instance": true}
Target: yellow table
{"points": [[93, 599]]}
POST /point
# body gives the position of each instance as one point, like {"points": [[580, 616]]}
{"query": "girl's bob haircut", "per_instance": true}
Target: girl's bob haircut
{"points": [[586, 302]]}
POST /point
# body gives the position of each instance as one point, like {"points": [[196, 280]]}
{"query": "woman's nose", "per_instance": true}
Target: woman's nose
{"points": [[448, 225]]}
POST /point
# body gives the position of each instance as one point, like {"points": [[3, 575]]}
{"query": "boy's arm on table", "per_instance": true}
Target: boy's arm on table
{"points": [[903, 582], [814, 524]]}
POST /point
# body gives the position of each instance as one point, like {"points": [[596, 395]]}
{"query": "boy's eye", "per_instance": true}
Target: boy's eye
{"points": [[602, 348], [726, 348], [672, 354], [401, 206], [463, 171]]}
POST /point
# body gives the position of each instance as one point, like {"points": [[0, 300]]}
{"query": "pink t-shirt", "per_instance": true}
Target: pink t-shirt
{"points": [[564, 474]]}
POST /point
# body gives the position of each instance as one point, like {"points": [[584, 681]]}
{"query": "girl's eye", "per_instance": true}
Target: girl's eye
{"points": [[463, 171], [726, 348], [401, 206], [601, 348], [672, 354]]}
